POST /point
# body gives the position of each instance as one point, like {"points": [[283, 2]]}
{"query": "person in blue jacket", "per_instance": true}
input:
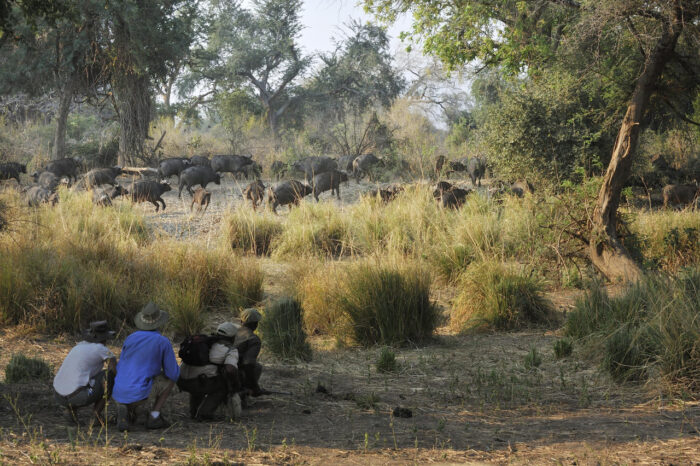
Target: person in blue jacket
{"points": [[146, 372]]}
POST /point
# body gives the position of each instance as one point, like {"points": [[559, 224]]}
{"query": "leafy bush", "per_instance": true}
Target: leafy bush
{"points": [[652, 328], [495, 296], [283, 330], [24, 369], [387, 361], [563, 348]]}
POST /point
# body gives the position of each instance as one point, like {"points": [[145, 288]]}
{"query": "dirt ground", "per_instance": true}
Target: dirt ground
{"points": [[471, 399]]}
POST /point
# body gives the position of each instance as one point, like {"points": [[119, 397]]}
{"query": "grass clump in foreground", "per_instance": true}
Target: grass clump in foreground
{"points": [[283, 330], [563, 348], [495, 296], [250, 232], [387, 304], [24, 369], [387, 361], [652, 329]]}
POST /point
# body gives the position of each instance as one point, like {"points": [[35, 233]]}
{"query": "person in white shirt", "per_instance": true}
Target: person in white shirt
{"points": [[81, 379], [212, 384]]}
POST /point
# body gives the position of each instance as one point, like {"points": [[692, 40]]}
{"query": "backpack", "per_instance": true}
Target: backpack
{"points": [[194, 350]]}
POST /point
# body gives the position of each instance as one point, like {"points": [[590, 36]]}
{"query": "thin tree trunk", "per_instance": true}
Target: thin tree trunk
{"points": [[606, 251], [59, 140], [134, 102]]}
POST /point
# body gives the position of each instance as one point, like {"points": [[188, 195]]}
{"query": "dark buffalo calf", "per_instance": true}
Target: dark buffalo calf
{"points": [[287, 193], [37, 195], [255, 191], [10, 171], [201, 197], [197, 176], [149, 191], [104, 198], [328, 180]]}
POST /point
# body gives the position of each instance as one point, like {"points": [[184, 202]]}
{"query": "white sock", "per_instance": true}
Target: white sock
{"points": [[155, 414]]}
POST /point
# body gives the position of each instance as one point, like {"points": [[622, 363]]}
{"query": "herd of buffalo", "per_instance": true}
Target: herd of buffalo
{"points": [[320, 174]]}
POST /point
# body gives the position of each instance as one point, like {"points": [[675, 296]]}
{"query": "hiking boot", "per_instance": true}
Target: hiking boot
{"points": [[156, 422], [122, 417]]}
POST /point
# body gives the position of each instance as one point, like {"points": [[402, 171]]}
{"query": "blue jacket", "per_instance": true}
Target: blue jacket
{"points": [[144, 356]]}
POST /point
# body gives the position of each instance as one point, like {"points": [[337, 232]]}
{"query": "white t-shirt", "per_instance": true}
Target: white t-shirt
{"points": [[83, 363], [219, 353]]}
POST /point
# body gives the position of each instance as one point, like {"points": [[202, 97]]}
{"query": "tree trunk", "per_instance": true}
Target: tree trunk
{"points": [[59, 140], [606, 251], [134, 104]]}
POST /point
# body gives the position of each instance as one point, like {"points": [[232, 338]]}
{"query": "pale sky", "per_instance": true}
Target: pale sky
{"points": [[324, 20]]}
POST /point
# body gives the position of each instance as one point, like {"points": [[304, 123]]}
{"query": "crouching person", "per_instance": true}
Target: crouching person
{"points": [[81, 379], [249, 345], [211, 385], [146, 372]]}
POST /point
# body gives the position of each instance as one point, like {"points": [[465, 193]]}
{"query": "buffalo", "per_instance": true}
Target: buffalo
{"points": [[680, 194], [459, 165], [200, 161], [328, 180], [386, 194], [364, 164], [46, 180], [104, 198], [476, 167], [233, 164], [37, 195], [255, 191], [287, 193], [11, 170], [149, 191], [173, 166], [345, 163], [99, 176], [197, 176], [522, 187], [64, 168], [312, 166], [449, 195]]}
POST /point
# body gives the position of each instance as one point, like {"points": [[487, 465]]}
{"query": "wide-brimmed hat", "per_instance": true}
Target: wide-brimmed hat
{"points": [[227, 329], [150, 317], [99, 331], [250, 315]]}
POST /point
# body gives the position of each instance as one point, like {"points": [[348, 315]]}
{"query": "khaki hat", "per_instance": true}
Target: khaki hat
{"points": [[99, 331], [227, 329], [150, 317], [250, 315]]}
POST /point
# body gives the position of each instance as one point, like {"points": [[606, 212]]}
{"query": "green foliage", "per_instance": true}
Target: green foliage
{"points": [[496, 296], [25, 369], [563, 348], [650, 330], [283, 331], [387, 361]]}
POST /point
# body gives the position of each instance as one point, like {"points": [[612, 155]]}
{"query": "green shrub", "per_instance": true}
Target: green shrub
{"points": [[24, 369], [283, 331], [533, 359], [387, 361], [563, 348], [492, 295], [387, 303], [651, 328]]}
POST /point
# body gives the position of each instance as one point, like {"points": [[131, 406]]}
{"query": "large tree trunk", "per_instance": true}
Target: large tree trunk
{"points": [[133, 95], [59, 140], [606, 251]]}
